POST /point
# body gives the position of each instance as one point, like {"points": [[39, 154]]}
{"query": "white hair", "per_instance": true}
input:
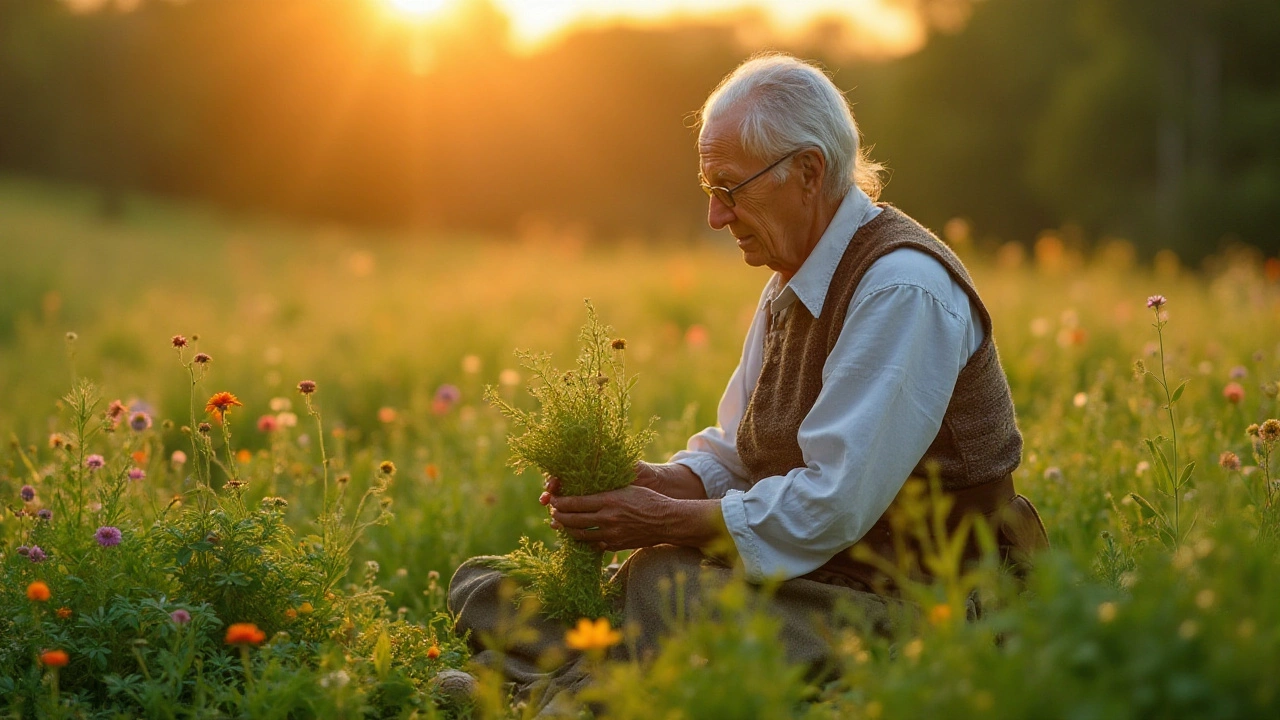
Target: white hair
{"points": [[789, 104]]}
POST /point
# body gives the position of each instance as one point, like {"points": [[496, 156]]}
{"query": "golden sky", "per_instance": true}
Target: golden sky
{"points": [[535, 21], [884, 26]]}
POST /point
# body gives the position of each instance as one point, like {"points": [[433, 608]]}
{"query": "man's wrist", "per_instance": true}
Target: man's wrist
{"points": [[679, 481], [695, 523]]}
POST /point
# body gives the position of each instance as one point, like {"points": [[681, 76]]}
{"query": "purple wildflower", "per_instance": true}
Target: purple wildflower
{"points": [[140, 421], [45, 514], [1156, 301], [107, 536], [93, 462], [28, 493], [180, 617], [448, 393], [35, 554], [23, 550], [137, 473], [1239, 372]]}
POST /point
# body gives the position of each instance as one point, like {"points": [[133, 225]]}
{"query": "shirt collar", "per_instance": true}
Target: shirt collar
{"points": [[811, 281]]}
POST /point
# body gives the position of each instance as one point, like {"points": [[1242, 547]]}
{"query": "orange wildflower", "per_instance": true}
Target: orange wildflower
{"points": [[433, 472], [290, 614], [38, 592], [590, 635], [64, 613], [221, 403], [243, 456], [940, 614], [54, 658], [139, 457], [244, 634], [433, 652]]}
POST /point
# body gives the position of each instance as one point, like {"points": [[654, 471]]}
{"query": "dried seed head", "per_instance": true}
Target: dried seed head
{"points": [[619, 344], [306, 387], [204, 428], [179, 341], [386, 467], [1270, 430], [202, 358], [1229, 461]]}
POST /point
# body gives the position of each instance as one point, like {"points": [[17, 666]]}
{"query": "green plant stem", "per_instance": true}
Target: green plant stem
{"points": [[324, 467], [248, 668], [1173, 429]]}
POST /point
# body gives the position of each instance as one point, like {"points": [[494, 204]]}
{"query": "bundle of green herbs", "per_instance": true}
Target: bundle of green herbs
{"points": [[582, 434]]}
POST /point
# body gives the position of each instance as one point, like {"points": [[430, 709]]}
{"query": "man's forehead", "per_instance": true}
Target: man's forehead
{"points": [[720, 149]]}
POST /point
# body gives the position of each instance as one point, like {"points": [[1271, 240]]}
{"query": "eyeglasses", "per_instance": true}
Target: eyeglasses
{"points": [[725, 195]]}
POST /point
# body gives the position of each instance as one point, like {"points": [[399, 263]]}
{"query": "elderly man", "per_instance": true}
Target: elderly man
{"points": [[870, 360]]}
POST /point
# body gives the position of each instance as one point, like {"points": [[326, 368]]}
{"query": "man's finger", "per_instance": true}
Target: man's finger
{"points": [[578, 521], [577, 503]]}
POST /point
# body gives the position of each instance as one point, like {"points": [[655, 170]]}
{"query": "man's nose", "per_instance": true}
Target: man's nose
{"points": [[719, 215]]}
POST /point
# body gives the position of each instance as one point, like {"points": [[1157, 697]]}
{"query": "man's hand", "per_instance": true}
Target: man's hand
{"points": [[633, 517], [670, 479]]}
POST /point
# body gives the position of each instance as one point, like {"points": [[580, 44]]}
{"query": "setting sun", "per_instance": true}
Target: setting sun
{"points": [[417, 8]]}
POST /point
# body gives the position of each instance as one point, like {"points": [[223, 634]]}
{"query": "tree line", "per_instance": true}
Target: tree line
{"points": [[1155, 120]]}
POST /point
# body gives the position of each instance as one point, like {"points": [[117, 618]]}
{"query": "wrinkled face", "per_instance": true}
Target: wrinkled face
{"points": [[767, 217]]}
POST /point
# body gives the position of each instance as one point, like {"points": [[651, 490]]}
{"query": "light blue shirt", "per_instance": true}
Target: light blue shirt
{"points": [[909, 330]]}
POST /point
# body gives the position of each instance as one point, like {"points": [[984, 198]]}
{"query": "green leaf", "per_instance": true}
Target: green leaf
{"points": [[382, 654], [1186, 474], [1145, 508], [1178, 392], [1164, 465]]}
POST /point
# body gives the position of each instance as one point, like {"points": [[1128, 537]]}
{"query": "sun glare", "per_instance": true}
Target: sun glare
{"points": [[416, 8]]}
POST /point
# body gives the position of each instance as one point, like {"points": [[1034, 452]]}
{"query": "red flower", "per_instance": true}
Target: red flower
{"points": [[220, 403], [54, 658], [244, 634]]}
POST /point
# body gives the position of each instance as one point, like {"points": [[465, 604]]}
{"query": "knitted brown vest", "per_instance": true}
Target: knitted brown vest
{"points": [[979, 440]]}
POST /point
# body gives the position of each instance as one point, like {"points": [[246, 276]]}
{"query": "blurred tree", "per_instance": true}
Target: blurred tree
{"points": [[1151, 118]]}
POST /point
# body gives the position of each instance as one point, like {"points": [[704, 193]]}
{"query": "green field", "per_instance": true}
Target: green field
{"points": [[1120, 621]]}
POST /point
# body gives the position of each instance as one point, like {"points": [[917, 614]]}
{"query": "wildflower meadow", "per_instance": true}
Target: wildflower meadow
{"points": [[243, 457]]}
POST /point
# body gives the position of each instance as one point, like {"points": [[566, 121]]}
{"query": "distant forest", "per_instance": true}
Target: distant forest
{"points": [[1153, 120]]}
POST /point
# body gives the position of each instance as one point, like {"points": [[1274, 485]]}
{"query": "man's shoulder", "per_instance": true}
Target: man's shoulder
{"points": [[908, 267]]}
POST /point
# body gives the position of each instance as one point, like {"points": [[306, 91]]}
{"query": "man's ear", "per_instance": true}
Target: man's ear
{"points": [[812, 169]]}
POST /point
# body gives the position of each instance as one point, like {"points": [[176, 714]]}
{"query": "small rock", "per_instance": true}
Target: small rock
{"points": [[455, 686]]}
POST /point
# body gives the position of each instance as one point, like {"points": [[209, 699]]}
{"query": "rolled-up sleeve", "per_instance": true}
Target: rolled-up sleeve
{"points": [[886, 386]]}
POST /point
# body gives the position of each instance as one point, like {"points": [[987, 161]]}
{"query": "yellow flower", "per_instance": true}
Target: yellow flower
{"points": [[590, 635], [306, 608]]}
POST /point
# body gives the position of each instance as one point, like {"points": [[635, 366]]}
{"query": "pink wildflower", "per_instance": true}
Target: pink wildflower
{"points": [[1233, 393]]}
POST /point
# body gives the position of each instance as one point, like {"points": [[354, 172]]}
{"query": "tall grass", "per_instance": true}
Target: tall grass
{"points": [[382, 322]]}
